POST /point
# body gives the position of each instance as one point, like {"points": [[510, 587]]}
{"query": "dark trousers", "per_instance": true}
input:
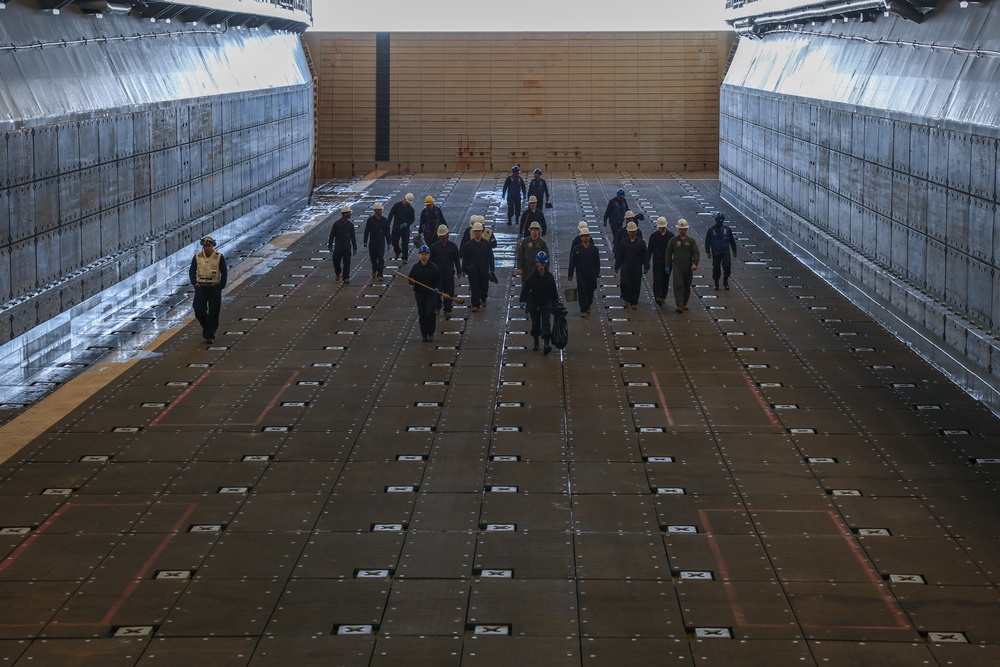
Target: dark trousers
{"points": [[660, 280], [722, 264], [513, 209], [401, 243], [541, 321], [479, 283], [616, 228], [448, 287], [207, 305], [377, 256], [682, 285], [631, 284], [342, 256], [425, 310], [585, 288]]}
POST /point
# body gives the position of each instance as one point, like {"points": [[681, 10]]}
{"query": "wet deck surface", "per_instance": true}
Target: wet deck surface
{"points": [[769, 478]]}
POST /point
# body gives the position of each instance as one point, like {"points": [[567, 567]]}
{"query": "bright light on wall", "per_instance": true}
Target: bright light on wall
{"points": [[531, 16]]}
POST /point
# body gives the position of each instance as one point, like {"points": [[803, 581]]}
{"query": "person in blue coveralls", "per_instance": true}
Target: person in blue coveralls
{"points": [[539, 296], [719, 241]]}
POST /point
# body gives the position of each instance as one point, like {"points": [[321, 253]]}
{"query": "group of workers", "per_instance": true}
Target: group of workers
{"points": [[673, 258]]}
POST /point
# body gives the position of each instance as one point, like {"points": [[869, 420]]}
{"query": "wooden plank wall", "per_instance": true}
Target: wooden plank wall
{"points": [[560, 101]]}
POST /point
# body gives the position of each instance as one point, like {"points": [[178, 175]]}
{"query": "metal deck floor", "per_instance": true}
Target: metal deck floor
{"points": [[769, 478]]}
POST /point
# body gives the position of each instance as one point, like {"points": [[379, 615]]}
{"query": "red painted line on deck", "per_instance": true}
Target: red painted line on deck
{"points": [[773, 418], [147, 566], [277, 397], [24, 546], [890, 602], [180, 398], [663, 400]]}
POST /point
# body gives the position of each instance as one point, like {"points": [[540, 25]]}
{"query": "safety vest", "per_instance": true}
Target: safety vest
{"points": [[208, 268]]}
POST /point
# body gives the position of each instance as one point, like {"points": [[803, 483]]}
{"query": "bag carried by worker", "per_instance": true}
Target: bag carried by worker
{"points": [[560, 328]]}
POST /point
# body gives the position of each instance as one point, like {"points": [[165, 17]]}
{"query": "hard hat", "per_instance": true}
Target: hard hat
{"points": [[682, 224], [481, 218], [409, 197], [719, 216], [621, 192], [428, 199], [631, 227], [423, 249], [377, 206], [207, 240], [534, 225], [629, 215], [473, 219], [442, 230], [661, 222], [477, 226], [585, 231], [538, 171], [345, 209], [515, 169], [582, 224], [542, 257], [532, 199]]}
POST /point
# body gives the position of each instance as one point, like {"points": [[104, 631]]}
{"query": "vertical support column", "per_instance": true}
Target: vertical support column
{"points": [[382, 87]]}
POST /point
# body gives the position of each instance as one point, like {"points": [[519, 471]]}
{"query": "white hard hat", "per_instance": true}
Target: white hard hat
{"points": [[532, 199], [477, 227], [345, 209], [661, 222], [631, 227], [534, 225], [377, 206], [585, 231], [409, 197], [481, 218], [473, 219], [442, 230], [582, 224], [682, 224], [629, 214]]}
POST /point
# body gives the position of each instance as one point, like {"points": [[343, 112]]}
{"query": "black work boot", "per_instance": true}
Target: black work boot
{"points": [[535, 348], [547, 348]]}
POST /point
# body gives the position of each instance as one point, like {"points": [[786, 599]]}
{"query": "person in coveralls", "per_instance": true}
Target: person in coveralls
{"points": [[539, 296]]}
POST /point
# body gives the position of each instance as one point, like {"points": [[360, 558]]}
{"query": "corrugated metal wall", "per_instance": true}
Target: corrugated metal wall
{"points": [[486, 101], [124, 141], [872, 149]]}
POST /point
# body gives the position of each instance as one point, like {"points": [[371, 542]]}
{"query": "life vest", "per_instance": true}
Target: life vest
{"points": [[208, 268]]}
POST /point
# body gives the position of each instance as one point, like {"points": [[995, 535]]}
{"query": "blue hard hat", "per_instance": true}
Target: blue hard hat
{"points": [[542, 257], [621, 192], [424, 248], [719, 216], [515, 169], [538, 171]]}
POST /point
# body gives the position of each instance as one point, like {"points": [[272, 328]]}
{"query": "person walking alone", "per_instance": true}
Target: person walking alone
{"points": [[343, 243], [719, 241], [656, 251], [478, 265], [444, 255], [401, 218], [514, 190], [208, 274], [539, 296], [376, 238], [585, 261], [681, 261], [630, 264], [426, 295]]}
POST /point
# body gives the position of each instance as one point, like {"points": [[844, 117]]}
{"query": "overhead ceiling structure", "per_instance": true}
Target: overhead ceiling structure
{"points": [[752, 18], [286, 15]]}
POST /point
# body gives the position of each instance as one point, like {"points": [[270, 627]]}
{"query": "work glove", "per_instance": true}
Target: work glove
{"points": [[354, 252], [605, 223], [437, 291], [645, 270], [366, 245], [667, 271], [523, 304]]}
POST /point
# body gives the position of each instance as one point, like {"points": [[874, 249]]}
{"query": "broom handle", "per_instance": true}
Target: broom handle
{"points": [[417, 282]]}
